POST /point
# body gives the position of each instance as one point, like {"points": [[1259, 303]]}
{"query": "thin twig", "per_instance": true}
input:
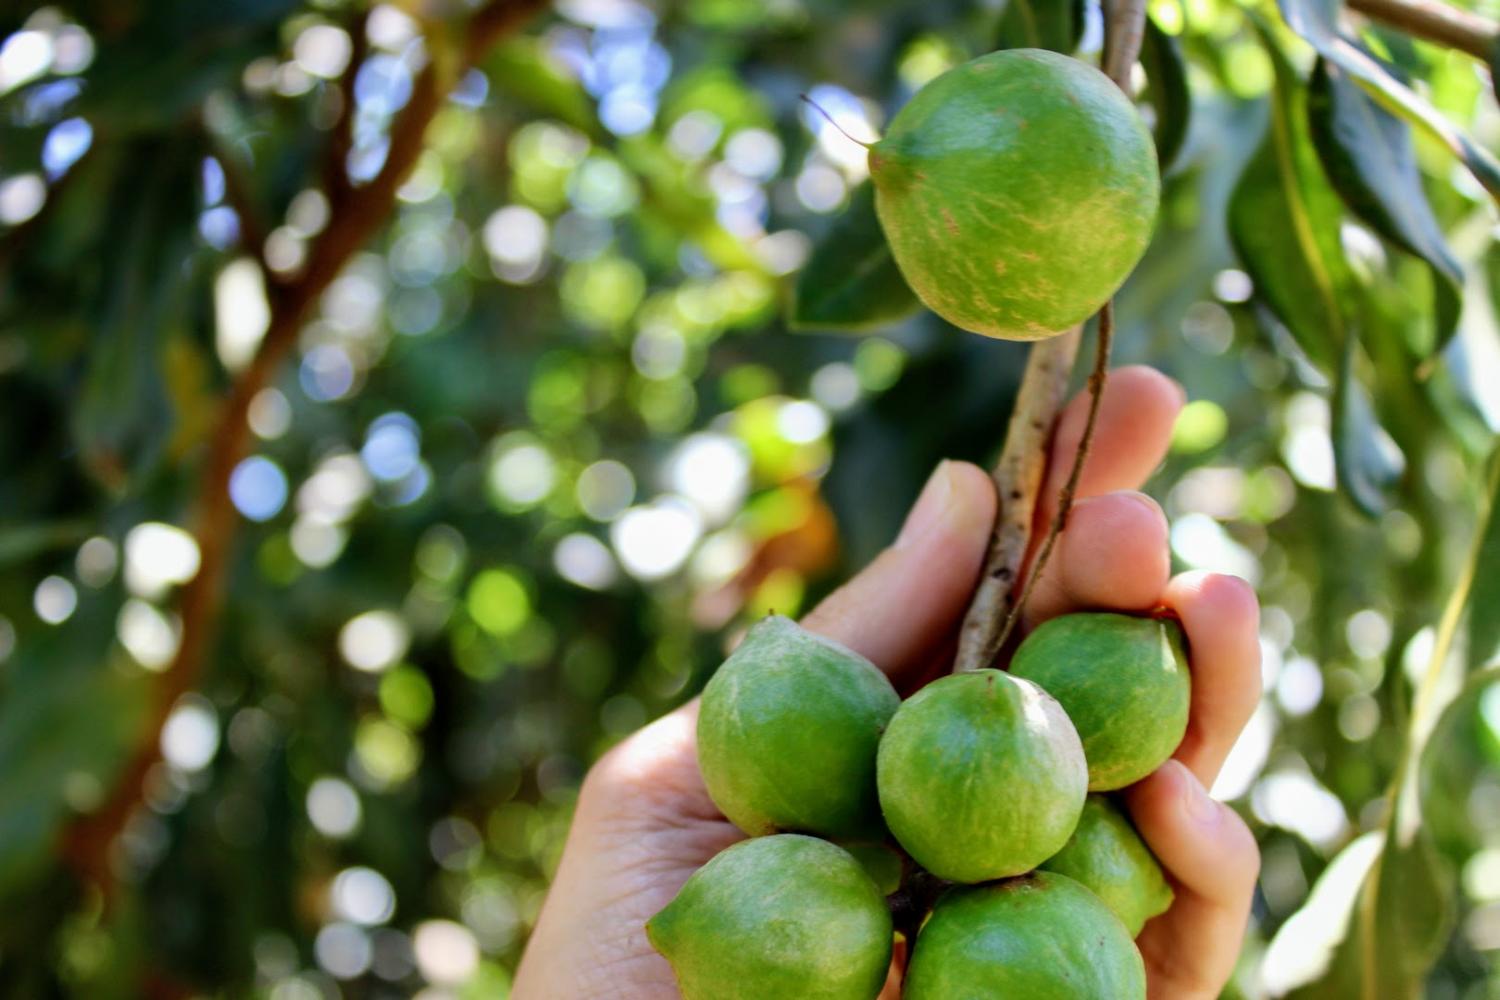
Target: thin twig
{"points": [[1070, 488], [997, 603], [356, 214], [239, 197], [1125, 30], [1436, 22], [1018, 480]]}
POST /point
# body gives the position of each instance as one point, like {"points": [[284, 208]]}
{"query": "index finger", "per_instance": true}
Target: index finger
{"points": [[1113, 551], [1134, 428]]}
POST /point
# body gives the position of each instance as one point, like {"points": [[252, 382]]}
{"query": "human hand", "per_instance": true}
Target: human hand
{"points": [[645, 823]]}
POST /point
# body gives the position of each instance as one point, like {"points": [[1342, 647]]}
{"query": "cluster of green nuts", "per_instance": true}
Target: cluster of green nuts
{"points": [[1016, 192], [980, 797]]}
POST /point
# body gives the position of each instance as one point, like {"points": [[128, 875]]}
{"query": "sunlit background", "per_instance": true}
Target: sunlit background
{"points": [[547, 441]]}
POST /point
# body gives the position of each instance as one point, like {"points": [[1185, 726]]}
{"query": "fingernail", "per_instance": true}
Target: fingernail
{"points": [[931, 507], [1200, 806], [1144, 501]]}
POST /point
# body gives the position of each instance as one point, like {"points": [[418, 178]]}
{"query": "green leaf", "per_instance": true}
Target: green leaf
{"points": [[1368, 467], [19, 542], [166, 61], [1494, 62], [1041, 24], [715, 88], [1167, 90], [123, 417], [1408, 909], [66, 722], [523, 70], [1317, 22], [20, 148], [1382, 945], [1370, 159], [1284, 221], [1484, 614], [670, 196], [1372, 926], [851, 282], [1308, 946]]}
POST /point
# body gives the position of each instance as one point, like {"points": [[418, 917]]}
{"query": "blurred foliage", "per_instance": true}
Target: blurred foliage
{"points": [[552, 437]]}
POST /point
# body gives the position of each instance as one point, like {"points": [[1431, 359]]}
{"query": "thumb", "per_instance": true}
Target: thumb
{"points": [[911, 597]]}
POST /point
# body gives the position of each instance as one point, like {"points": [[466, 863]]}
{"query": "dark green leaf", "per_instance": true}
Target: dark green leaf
{"points": [[1317, 22], [1167, 90], [1284, 223], [1484, 607], [1495, 68], [1041, 24], [851, 281], [19, 542], [1369, 157], [65, 723], [1368, 468], [20, 148], [124, 415], [173, 55]]}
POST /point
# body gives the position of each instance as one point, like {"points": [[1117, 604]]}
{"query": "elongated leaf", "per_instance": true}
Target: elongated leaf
{"points": [[1484, 613], [1369, 157], [173, 55], [1370, 930], [1317, 22], [64, 726], [1494, 62], [1408, 908], [523, 70], [1167, 90], [851, 281], [1307, 947], [124, 416], [1367, 464], [1284, 223], [19, 542], [1041, 24], [1382, 945]]}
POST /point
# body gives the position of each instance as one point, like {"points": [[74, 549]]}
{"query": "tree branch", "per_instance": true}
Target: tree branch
{"points": [[356, 214], [998, 601], [336, 158], [237, 196], [1436, 22]]}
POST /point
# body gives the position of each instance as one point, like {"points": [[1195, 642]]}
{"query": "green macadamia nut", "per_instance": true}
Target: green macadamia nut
{"points": [[1017, 192], [788, 732], [1038, 937], [981, 776], [1124, 682], [1107, 856], [781, 916]]}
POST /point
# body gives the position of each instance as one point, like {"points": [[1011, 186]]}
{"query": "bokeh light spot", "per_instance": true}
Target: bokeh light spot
{"points": [[374, 641], [258, 488], [333, 807], [54, 600], [498, 602], [190, 737]]}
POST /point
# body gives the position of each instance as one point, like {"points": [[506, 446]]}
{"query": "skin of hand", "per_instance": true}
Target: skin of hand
{"points": [[644, 821]]}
